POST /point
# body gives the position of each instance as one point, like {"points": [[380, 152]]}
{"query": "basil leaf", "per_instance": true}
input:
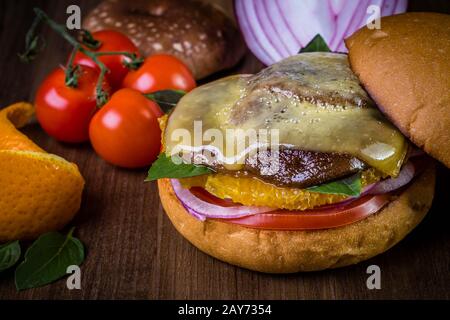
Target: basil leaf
{"points": [[164, 167], [9, 254], [317, 44], [350, 186], [47, 260], [166, 99]]}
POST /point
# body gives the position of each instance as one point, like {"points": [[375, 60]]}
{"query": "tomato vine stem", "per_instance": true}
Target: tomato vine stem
{"points": [[89, 41], [71, 71], [101, 94], [71, 80]]}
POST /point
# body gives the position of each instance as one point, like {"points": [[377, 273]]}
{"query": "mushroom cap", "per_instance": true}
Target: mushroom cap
{"points": [[202, 35]]}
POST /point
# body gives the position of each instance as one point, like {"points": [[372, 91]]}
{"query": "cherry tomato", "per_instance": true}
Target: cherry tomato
{"points": [[330, 216], [65, 112], [125, 131], [110, 41], [160, 72]]}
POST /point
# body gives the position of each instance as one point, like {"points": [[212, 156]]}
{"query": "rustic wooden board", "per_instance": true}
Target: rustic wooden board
{"points": [[133, 252]]}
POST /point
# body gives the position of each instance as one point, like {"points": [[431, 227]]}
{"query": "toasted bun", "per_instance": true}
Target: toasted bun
{"points": [[203, 36], [294, 251], [405, 67]]}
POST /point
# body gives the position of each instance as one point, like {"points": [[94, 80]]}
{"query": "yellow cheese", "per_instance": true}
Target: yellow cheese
{"points": [[311, 101]]}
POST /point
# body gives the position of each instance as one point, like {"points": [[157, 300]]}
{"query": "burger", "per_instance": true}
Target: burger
{"points": [[316, 161]]}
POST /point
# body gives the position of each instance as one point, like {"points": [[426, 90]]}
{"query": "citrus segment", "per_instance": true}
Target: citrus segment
{"points": [[251, 191]]}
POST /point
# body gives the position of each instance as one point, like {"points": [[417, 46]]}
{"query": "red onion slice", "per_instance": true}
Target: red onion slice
{"points": [[416, 152], [277, 29], [202, 209]]}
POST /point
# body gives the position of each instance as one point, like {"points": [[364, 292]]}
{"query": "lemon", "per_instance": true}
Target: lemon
{"points": [[39, 192]]}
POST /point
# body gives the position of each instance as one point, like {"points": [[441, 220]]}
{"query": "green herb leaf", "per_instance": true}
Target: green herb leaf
{"points": [[166, 99], [350, 186], [317, 44], [47, 260], [9, 254], [165, 167]]}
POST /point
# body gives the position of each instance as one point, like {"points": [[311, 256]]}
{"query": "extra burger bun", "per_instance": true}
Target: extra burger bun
{"points": [[405, 67], [293, 251], [202, 35]]}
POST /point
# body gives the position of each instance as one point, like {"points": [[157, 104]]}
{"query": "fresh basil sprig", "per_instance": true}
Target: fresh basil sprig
{"points": [[47, 260], [167, 167], [166, 99], [317, 44], [9, 254], [350, 186]]}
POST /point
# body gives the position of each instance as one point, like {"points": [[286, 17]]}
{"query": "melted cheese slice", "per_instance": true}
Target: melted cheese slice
{"points": [[312, 101]]}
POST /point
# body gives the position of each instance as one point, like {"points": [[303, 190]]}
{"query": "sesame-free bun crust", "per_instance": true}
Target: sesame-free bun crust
{"points": [[293, 251], [201, 34], [405, 67]]}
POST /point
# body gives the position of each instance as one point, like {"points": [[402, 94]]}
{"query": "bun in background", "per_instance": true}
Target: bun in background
{"points": [[203, 36]]}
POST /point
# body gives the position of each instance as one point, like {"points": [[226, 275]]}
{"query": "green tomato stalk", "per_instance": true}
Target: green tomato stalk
{"points": [[32, 48]]}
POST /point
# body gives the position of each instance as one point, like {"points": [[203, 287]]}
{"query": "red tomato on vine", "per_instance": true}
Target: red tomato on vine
{"points": [[64, 112], [125, 131], [110, 41], [160, 72]]}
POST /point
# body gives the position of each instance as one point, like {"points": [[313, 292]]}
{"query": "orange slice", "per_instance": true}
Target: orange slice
{"points": [[251, 191]]}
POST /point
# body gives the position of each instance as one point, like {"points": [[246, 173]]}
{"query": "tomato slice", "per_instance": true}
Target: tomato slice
{"points": [[330, 216], [316, 218]]}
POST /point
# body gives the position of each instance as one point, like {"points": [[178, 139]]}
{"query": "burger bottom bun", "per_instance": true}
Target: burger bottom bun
{"points": [[293, 251]]}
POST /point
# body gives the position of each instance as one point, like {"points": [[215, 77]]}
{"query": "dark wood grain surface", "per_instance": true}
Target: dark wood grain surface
{"points": [[133, 252]]}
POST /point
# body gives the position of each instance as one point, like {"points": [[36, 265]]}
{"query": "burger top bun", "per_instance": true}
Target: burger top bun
{"points": [[405, 67], [202, 35]]}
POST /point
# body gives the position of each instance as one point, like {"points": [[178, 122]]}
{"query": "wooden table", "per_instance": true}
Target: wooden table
{"points": [[134, 252]]}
